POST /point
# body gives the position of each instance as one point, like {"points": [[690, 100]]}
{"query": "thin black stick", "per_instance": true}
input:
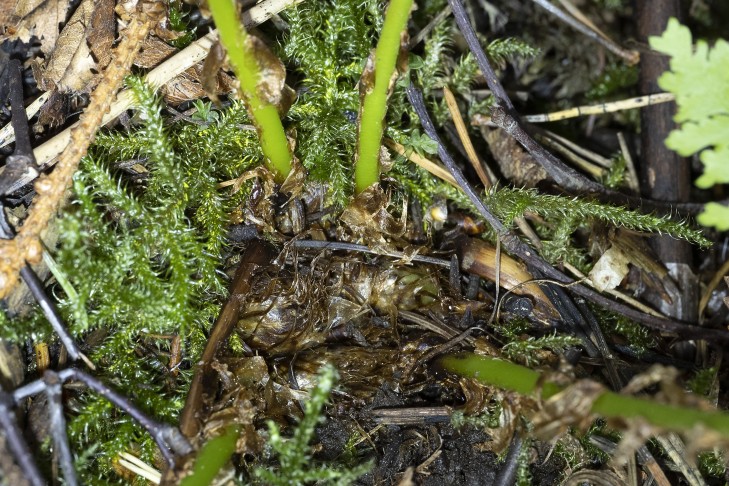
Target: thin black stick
{"points": [[338, 245], [505, 116], [631, 56], [507, 474], [21, 167], [50, 311], [459, 13], [15, 441], [516, 247], [58, 426], [169, 439], [19, 120]]}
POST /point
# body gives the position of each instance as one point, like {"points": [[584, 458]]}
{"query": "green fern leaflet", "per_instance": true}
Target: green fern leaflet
{"points": [[700, 81]]}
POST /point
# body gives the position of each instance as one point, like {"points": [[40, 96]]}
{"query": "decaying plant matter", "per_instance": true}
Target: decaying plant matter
{"points": [[253, 303]]}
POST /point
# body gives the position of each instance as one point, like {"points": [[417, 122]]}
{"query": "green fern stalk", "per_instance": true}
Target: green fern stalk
{"points": [[212, 457], [265, 116], [374, 106], [608, 404]]}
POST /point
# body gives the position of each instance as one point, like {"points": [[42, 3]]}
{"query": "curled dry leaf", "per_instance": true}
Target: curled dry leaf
{"points": [[368, 220], [211, 67], [646, 269], [101, 32], [589, 476], [190, 84], [88, 34], [367, 80], [272, 84], [25, 19], [515, 163], [479, 258], [570, 407]]}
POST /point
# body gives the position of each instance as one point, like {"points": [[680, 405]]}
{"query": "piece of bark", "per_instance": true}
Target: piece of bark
{"points": [[101, 32], [664, 175]]}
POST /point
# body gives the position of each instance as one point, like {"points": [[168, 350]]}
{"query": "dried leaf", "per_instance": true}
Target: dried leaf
{"points": [[211, 67], [101, 32], [33, 18], [153, 52], [368, 219], [272, 83], [70, 67], [589, 476], [186, 86], [610, 269], [570, 407], [515, 163], [478, 257]]}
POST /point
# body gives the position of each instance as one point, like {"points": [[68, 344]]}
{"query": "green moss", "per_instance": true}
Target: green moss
{"points": [[295, 465], [326, 46], [144, 259]]}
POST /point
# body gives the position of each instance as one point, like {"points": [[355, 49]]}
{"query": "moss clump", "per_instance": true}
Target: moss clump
{"points": [[144, 260]]}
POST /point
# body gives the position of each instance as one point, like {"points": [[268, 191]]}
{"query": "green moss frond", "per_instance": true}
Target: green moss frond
{"points": [[144, 258], [527, 351], [431, 71], [294, 454], [326, 45], [712, 464], [511, 203], [510, 49]]}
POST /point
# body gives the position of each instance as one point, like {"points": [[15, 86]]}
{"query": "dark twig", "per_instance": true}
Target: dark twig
{"points": [[631, 57], [168, 438], [516, 247], [51, 312], [505, 116], [257, 255], [459, 13], [16, 443], [337, 245], [507, 474], [58, 426], [19, 119], [20, 168]]}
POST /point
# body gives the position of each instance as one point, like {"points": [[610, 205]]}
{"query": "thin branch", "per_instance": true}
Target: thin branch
{"points": [[51, 312], [16, 442], [459, 13], [160, 75], [507, 474], [632, 57], [515, 246], [337, 245], [57, 426], [20, 119], [169, 439], [26, 246], [505, 116]]}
